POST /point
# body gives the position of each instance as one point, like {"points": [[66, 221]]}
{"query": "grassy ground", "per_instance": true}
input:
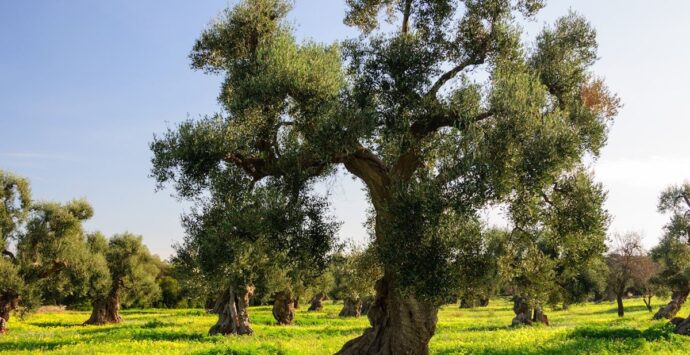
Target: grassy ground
{"points": [[590, 328]]}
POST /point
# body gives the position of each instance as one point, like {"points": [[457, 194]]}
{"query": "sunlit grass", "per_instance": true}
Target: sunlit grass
{"points": [[590, 328]]}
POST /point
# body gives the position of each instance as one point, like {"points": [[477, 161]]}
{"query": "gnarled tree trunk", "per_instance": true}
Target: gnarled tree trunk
{"points": [[284, 308], [540, 317], [523, 311], [670, 310], [465, 303], [316, 302], [232, 308], [484, 302], [296, 302], [366, 305], [399, 324], [106, 310], [8, 303], [351, 308]]}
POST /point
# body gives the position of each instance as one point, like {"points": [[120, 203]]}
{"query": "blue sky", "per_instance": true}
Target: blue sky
{"points": [[84, 85]]}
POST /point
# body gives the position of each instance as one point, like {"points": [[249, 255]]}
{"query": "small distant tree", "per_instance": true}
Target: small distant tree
{"points": [[644, 280], [478, 262], [623, 261], [128, 272], [355, 272], [170, 291], [673, 251], [558, 236]]}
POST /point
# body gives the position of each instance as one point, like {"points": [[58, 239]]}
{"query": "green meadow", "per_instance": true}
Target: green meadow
{"points": [[587, 328]]}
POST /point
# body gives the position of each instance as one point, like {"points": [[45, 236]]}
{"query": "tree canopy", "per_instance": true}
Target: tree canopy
{"points": [[440, 114]]}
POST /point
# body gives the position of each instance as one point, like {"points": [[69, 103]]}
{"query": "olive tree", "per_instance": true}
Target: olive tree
{"points": [[440, 114], [126, 271], [354, 273], [673, 251], [266, 236], [556, 246], [15, 202], [624, 265]]}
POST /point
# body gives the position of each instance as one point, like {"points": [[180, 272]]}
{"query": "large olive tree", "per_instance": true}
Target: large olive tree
{"points": [[440, 114]]}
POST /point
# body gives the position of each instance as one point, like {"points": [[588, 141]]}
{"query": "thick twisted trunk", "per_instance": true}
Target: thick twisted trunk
{"points": [[399, 324], [106, 311], [284, 308], [525, 314], [523, 311], [366, 305], [8, 303], [671, 309], [351, 308], [232, 308], [316, 302]]}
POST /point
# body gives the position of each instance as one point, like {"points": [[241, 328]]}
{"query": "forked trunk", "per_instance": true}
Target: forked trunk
{"points": [[296, 302], [399, 324], [671, 309], [8, 302], [106, 310], [232, 308], [284, 308], [351, 308], [647, 299], [484, 302], [619, 302], [316, 302]]}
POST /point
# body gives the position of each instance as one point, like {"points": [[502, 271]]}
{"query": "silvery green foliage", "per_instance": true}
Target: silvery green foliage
{"points": [[441, 113]]}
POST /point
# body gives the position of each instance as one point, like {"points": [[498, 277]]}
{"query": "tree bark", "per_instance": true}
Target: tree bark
{"points": [[232, 308], [484, 302], [8, 303], [671, 309], [523, 311], [647, 299], [284, 308], [316, 302], [464, 303], [296, 302], [619, 301], [366, 305], [106, 311], [399, 324], [540, 317], [351, 308]]}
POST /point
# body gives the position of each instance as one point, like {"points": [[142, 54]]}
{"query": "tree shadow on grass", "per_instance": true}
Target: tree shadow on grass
{"points": [[582, 340], [33, 345], [169, 335], [263, 349], [614, 310], [54, 324]]}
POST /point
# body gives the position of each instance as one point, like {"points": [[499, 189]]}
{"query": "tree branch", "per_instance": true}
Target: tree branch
{"points": [[421, 129], [371, 169], [9, 254], [452, 73], [406, 16]]}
